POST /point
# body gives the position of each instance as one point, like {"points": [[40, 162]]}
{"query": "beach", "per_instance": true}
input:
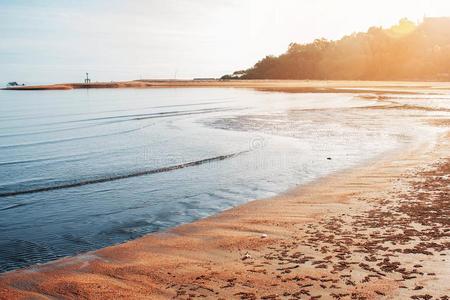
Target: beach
{"points": [[373, 231], [350, 235], [302, 86]]}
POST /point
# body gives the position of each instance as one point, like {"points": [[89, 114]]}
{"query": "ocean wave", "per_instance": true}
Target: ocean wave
{"points": [[71, 184], [131, 117], [75, 138], [36, 117]]}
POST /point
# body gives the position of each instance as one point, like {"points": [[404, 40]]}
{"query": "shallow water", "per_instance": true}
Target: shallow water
{"points": [[84, 169]]}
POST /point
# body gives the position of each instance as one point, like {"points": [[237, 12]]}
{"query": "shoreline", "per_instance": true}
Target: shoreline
{"points": [[303, 86], [261, 249]]}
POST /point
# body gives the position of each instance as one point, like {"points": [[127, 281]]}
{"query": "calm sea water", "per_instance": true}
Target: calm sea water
{"points": [[84, 169]]}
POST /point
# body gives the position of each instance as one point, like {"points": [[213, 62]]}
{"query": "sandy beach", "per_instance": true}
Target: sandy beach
{"points": [[380, 230]]}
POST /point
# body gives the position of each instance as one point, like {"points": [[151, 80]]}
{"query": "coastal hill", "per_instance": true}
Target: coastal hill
{"points": [[406, 51]]}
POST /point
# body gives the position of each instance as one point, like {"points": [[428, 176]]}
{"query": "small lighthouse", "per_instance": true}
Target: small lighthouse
{"points": [[87, 80]]}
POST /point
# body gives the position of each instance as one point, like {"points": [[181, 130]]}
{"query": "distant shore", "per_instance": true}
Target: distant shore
{"points": [[306, 86]]}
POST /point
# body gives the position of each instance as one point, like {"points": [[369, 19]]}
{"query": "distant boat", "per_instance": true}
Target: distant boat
{"points": [[14, 83]]}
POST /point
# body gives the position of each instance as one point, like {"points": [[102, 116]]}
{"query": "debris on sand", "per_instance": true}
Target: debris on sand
{"points": [[246, 256]]}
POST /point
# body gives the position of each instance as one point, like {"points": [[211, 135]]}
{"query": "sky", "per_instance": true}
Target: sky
{"points": [[47, 41]]}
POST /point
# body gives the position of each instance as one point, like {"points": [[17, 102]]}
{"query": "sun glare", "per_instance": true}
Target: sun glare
{"points": [[403, 28]]}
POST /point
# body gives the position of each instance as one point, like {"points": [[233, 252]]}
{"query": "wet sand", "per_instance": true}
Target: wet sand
{"points": [[377, 231]]}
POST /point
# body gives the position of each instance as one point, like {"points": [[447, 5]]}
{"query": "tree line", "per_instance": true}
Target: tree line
{"points": [[405, 51]]}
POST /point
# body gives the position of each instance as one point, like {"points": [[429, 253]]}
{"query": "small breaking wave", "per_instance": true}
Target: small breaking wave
{"points": [[71, 184]]}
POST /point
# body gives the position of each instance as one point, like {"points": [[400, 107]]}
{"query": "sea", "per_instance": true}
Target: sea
{"points": [[89, 168]]}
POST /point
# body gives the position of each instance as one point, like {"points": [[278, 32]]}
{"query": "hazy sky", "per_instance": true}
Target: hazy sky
{"points": [[58, 41]]}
